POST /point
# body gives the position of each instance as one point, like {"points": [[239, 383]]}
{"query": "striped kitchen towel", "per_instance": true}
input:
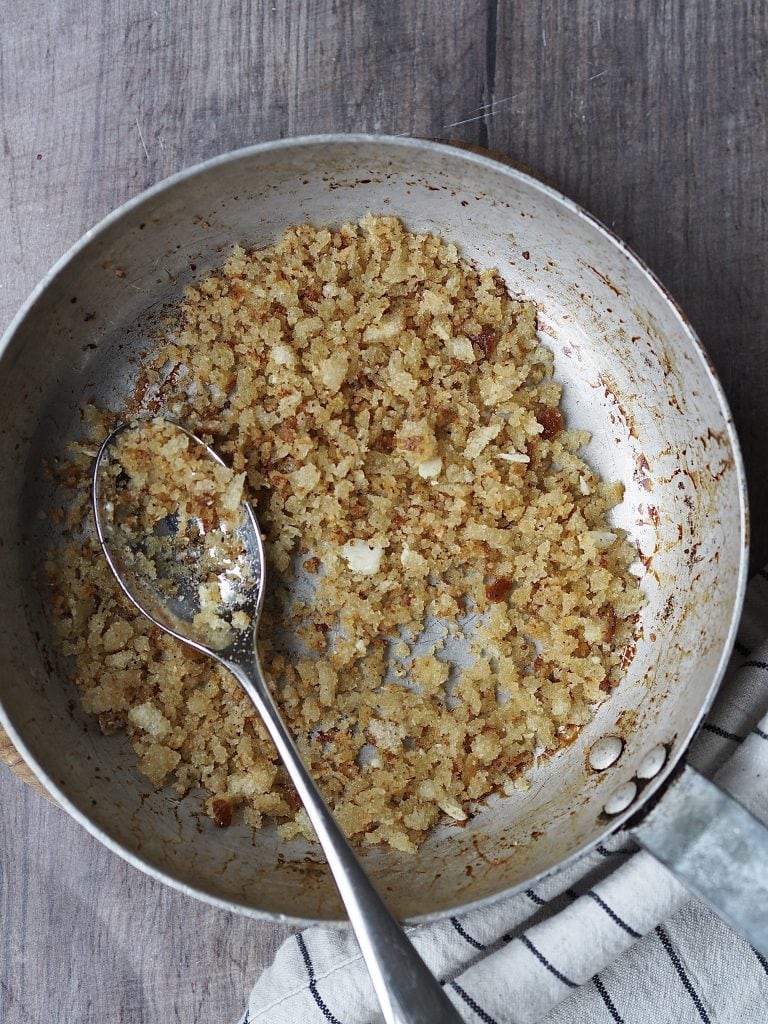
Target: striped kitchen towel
{"points": [[612, 938]]}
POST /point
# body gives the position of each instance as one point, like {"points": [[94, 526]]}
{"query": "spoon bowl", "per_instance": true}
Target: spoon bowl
{"points": [[171, 599]]}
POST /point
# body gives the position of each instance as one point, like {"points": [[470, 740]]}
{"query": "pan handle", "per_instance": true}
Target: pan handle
{"points": [[714, 846]]}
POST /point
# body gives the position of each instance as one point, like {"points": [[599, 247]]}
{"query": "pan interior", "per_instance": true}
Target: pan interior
{"points": [[632, 374]]}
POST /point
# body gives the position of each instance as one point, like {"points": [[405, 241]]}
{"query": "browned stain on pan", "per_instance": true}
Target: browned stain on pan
{"points": [[604, 278], [642, 472]]}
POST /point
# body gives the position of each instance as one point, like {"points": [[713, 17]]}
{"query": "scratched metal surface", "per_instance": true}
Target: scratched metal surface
{"points": [[653, 120], [633, 376]]}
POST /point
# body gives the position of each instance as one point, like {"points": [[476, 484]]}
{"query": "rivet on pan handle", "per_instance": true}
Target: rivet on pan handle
{"points": [[714, 846]]}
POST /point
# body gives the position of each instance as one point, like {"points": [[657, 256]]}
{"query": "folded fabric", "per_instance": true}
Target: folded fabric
{"points": [[611, 938]]}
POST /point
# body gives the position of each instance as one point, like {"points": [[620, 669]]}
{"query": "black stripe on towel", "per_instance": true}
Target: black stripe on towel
{"points": [[721, 732], [613, 915], [760, 733], [312, 981], [755, 664], [667, 944], [761, 959], [486, 1018], [465, 935], [605, 852], [615, 1015], [536, 899], [543, 960]]}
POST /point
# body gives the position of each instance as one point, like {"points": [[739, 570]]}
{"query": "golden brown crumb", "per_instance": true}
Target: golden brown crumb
{"points": [[399, 430]]}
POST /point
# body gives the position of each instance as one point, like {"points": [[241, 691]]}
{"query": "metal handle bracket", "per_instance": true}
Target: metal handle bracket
{"points": [[714, 846]]}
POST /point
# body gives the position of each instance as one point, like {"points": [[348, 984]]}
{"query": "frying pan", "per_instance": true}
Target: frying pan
{"points": [[634, 375]]}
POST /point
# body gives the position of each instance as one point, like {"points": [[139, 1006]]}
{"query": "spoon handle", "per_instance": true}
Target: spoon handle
{"points": [[406, 989]]}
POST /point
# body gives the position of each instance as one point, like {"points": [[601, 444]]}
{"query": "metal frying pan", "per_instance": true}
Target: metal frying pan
{"points": [[634, 375]]}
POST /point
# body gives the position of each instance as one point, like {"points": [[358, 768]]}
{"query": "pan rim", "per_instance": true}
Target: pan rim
{"points": [[498, 165]]}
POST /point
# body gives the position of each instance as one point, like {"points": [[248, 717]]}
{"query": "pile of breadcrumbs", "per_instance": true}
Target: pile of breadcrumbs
{"points": [[397, 422]]}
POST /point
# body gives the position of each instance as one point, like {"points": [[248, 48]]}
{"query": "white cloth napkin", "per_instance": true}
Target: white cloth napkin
{"points": [[612, 938]]}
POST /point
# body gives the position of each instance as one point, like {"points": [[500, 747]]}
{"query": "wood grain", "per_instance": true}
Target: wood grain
{"points": [[10, 755], [651, 115], [86, 938]]}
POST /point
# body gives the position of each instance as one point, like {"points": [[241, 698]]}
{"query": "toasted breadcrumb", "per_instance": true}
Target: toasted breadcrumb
{"points": [[397, 423]]}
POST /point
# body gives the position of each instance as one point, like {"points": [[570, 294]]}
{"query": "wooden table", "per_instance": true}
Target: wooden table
{"points": [[650, 115]]}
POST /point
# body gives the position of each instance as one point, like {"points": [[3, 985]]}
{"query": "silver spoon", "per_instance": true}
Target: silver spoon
{"points": [[407, 991]]}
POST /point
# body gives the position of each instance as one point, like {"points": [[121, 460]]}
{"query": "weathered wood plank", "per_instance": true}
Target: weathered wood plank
{"points": [[10, 755], [87, 938], [98, 102]]}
